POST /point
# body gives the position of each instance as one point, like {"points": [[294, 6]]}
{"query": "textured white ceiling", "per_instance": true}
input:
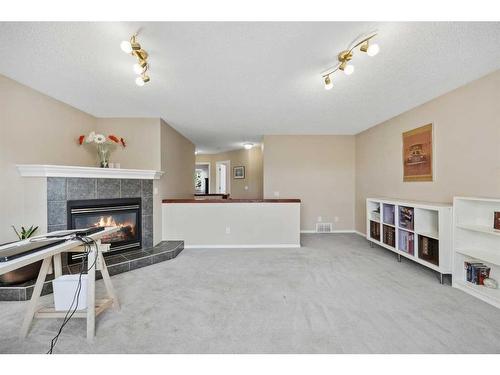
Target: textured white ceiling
{"points": [[222, 84]]}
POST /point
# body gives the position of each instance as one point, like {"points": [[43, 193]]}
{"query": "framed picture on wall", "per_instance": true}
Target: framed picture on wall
{"points": [[239, 172], [417, 154]]}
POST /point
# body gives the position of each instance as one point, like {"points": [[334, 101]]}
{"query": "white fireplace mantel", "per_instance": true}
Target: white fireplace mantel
{"points": [[40, 170]]}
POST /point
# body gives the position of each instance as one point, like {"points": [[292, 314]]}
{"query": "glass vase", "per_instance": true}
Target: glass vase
{"points": [[103, 154]]}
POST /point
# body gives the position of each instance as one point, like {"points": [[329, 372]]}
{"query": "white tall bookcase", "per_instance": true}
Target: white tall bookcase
{"points": [[428, 241], [475, 240]]}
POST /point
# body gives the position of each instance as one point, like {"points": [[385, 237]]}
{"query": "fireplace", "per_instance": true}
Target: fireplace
{"points": [[122, 212]]}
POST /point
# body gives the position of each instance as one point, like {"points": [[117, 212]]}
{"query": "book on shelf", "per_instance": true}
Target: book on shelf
{"points": [[389, 213], [406, 241], [476, 272], [406, 217], [428, 249], [376, 214], [389, 236], [375, 230]]}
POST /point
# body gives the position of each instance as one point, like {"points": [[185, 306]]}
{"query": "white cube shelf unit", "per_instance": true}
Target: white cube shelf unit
{"points": [[420, 231], [476, 241]]}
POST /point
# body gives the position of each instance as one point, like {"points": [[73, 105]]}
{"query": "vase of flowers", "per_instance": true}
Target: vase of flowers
{"points": [[103, 144]]}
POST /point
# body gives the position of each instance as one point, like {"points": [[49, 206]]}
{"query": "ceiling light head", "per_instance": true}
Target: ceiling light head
{"points": [[139, 81], [373, 50], [126, 46], [134, 45], [248, 146], [349, 69], [364, 46], [328, 83], [137, 69], [140, 66]]}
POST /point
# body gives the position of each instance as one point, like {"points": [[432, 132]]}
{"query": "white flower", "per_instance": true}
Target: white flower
{"points": [[90, 138], [99, 138]]}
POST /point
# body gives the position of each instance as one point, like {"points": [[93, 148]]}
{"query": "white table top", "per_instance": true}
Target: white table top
{"points": [[53, 250]]}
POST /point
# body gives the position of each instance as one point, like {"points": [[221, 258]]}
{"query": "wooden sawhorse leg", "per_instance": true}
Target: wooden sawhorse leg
{"points": [[57, 265], [91, 266], [107, 281], [35, 297]]}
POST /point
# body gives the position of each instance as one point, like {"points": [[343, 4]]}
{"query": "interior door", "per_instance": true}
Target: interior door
{"points": [[221, 177]]}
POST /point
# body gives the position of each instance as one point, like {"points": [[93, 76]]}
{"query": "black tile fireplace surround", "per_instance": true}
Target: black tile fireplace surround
{"points": [[122, 212], [61, 190]]}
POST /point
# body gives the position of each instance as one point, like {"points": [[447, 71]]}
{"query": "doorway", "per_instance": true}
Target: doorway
{"points": [[222, 177], [202, 178]]}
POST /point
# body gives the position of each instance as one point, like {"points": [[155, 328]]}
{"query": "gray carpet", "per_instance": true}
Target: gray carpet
{"points": [[334, 295]]}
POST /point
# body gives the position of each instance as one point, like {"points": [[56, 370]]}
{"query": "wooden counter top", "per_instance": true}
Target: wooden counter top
{"points": [[231, 201], [223, 196]]}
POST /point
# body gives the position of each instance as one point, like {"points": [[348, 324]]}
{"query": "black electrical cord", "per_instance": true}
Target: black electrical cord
{"points": [[87, 243]]}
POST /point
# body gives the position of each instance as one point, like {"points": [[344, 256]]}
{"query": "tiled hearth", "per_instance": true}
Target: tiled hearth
{"points": [[118, 263]]}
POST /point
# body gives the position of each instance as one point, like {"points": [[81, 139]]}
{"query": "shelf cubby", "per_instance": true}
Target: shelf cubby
{"points": [[389, 214], [427, 222], [375, 230], [389, 235], [406, 241], [406, 216], [428, 249], [374, 210]]}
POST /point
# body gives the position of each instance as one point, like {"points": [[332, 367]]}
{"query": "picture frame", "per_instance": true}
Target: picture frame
{"points": [[239, 172], [418, 155]]}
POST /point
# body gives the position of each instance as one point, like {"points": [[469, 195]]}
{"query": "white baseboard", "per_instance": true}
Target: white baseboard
{"points": [[333, 231], [276, 246], [360, 233]]}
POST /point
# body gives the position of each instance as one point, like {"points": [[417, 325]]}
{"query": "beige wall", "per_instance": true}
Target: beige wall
{"points": [[36, 129], [251, 160], [318, 169], [177, 161], [466, 148], [142, 136]]}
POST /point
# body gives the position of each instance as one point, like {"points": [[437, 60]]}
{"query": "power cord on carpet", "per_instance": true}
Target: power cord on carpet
{"points": [[87, 243]]}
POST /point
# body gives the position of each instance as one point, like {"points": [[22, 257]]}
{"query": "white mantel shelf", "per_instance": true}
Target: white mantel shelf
{"points": [[40, 170]]}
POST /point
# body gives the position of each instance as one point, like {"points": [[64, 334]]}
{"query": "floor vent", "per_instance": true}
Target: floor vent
{"points": [[323, 227]]}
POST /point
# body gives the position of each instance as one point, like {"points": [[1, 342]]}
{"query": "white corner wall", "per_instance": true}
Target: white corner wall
{"points": [[232, 224]]}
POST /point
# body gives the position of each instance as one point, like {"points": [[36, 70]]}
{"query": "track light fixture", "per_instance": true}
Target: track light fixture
{"points": [[133, 48], [344, 58]]}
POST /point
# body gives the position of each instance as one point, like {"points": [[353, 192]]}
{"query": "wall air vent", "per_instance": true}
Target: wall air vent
{"points": [[324, 228]]}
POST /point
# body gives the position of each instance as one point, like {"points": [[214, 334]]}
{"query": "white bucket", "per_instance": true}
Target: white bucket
{"points": [[65, 290]]}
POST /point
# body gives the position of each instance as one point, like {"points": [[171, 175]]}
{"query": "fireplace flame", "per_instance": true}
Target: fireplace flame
{"points": [[109, 221]]}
